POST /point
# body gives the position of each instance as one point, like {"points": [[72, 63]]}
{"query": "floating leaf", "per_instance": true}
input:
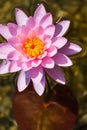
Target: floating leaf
{"points": [[58, 111]]}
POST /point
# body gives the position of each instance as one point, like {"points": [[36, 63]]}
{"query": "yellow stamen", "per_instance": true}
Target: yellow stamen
{"points": [[33, 47]]}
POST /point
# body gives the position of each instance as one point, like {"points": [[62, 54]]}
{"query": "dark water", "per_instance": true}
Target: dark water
{"points": [[76, 12]]}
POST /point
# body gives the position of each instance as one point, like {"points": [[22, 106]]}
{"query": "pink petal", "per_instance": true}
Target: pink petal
{"points": [[39, 30], [14, 41], [14, 67], [5, 49], [40, 86], [51, 51], [46, 20], [31, 22], [39, 13], [23, 80], [31, 33], [62, 60], [36, 62], [24, 58], [36, 74], [12, 28], [47, 43], [21, 17], [23, 33], [4, 31], [4, 67], [56, 74], [70, 49], [43, 55], [48, 62], [49, 30], [59, 42], [61, 28], [25, 65], [14, 55]]}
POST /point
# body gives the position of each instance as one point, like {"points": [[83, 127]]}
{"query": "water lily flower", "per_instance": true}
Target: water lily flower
{"points": [[34, 46]]}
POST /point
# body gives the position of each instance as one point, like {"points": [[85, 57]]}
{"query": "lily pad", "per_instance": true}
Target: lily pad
{"points": [[58, 111]]}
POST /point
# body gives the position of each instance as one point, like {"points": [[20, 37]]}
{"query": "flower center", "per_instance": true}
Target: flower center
{"points": [[33, 47]]}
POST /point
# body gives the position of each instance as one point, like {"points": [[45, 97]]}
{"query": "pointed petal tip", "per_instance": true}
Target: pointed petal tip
{"points": [[40, 86], [63, 82], [17, 9], [62, 60], [21, 17], [39, 13], [79, 49], [61, 28], [69, 62], [4, 31], [40, 6], [64, 21], [40, 93], [21, 88], [39, 90], [76, 48], [0, 25], [56, 74], [68, 22], [23, 81]]}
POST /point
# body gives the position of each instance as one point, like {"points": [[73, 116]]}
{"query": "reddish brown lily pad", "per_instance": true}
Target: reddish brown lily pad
{"points": [[33, 112]]}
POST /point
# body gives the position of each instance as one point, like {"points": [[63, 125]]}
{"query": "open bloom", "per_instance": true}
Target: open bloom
{"points": [[35, 46]]}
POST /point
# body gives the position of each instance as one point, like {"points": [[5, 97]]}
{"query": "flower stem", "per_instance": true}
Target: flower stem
{"points": [[48, 89]]}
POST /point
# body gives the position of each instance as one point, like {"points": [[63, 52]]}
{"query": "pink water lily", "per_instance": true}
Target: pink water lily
{"points": [[35, 46]]}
